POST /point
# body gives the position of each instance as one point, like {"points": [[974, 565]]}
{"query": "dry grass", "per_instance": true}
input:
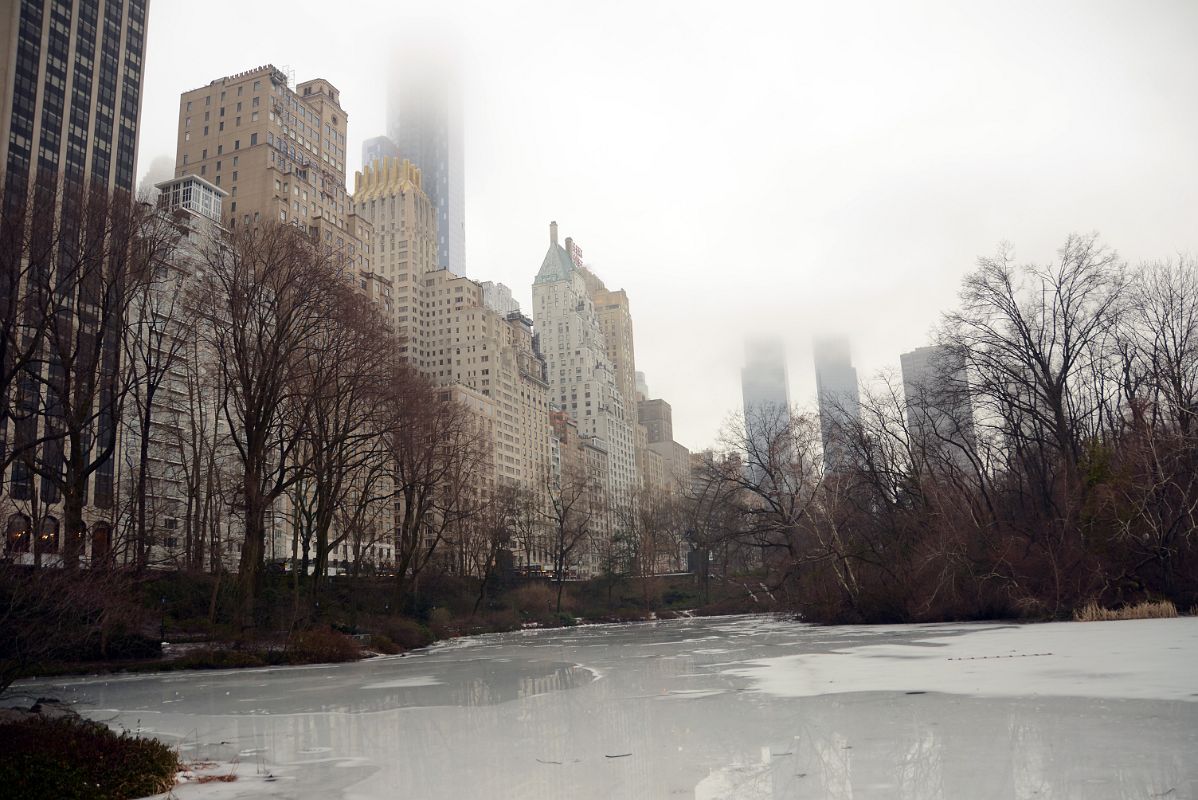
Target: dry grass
{"points": [[1093, 612], [215, 779]]}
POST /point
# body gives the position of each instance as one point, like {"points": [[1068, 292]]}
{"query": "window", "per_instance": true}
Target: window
{"points": [[236, 144], [253, 139]]}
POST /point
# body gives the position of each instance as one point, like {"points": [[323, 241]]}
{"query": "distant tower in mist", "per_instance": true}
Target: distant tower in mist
{"points": [[377, 148], [839, 397], [424, 121], [763, 382], [939, 413], [766, 394]]}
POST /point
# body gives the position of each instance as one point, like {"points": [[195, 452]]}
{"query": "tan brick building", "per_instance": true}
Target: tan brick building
{"points": [[279, 153], [388, 195]]}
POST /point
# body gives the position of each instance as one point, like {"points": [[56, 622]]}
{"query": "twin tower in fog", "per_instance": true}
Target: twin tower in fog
{"points": [[929, 373]]}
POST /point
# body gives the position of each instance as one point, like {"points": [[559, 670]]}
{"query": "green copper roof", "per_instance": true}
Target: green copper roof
{"points": [[556, 266]]}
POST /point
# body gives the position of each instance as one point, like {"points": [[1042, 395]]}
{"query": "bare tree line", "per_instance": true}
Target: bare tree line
{"points": [[197, 399], [237, 378], [1071, 476]]}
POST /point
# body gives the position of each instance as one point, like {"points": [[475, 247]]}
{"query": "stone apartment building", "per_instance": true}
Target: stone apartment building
{"points": [[581, 378], [279, 153]]}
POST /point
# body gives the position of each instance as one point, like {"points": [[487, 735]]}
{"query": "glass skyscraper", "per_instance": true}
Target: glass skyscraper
{"points": [[425, 121]]}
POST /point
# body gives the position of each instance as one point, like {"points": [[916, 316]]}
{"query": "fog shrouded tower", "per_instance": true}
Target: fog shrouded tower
{"points": [[766, 394], [425, 121], [939, 412], [763, 381], [839, 397]]}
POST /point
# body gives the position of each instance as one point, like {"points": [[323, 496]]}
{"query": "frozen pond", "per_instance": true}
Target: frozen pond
{"points": [[745, 707]]}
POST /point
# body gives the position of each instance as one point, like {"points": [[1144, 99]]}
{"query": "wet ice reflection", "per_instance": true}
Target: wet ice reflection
{"points": [[649, 711]]}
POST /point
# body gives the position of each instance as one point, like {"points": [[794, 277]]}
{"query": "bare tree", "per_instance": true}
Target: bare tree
{"points": [[490, 534], [343, 392], [29, 244], [70, 399], [575, 500], [266, 293], [159, 322], [438, 454], [1162, 326]]}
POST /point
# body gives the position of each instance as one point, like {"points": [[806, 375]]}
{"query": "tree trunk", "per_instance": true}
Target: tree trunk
{"points": [[72, 529], [141, 545], [252, 553]]}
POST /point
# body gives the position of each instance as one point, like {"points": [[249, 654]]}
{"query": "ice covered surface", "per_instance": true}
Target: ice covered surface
{"points": [[749, 707], [1152, 660]]}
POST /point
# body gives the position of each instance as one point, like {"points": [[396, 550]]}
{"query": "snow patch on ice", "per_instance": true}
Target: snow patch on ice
{"points": [[410, 682], [1071, 659]]}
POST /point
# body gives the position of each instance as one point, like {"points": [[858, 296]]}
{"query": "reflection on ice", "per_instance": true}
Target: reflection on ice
{"points": [[696, 708]]}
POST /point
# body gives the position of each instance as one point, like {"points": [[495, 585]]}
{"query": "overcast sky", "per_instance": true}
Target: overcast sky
{"points": [[745, 168]]}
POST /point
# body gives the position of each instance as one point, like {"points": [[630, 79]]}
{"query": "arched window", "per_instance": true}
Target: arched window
{"points": [[101, 544], [48, 538], [17, 536]]}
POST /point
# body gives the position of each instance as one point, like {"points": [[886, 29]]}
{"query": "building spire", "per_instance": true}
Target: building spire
{"points": [[552, 234]]}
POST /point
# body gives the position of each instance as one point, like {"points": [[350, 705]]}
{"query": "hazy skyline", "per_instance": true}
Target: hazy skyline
{"points": [[757, 170]]}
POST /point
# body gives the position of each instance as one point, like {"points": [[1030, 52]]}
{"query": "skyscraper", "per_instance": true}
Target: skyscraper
{"points": [[582, 380], [70, 104], [377, 148], [839, 398], [70, 92], [763, 381], [425, 121], [388, 195], [939, 413], [766, 394]]}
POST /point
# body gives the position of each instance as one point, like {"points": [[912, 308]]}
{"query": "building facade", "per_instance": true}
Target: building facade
{"points": [[279, 153], [476, 347], [938, 409], [838, 396], [70, 91], [582, 380], [70, 105], [389, 196]]}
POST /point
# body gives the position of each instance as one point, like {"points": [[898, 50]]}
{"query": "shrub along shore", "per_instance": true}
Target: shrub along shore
{"points": [[175, 621]]}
